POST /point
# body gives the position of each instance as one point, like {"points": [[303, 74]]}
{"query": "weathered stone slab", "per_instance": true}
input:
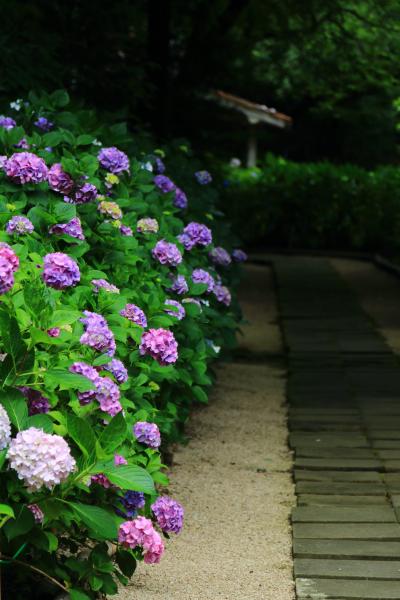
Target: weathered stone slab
{"points": [[345, 549], [320, 452], [357, 476], [342, 500], [347, 531], [343, 589], [345, 464], [340, 487], [329, 440], [352, 569], [328, 514]]}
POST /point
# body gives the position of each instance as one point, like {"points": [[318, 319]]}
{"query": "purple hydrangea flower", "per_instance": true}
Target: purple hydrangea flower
{"points": [[60, 271], [179, 313], [131, 502], [147, 225], [239, 255], [160, 167], [179, 285], [117, 368], [105, 391], [73, 228], [161, 345], [37, 404], [54, 332], [59, 180], [220, 256], [97, 333], [44, 124], [83, 194], [8, 254], [3, 162], [6, 275], [99, 284], [102, 480], [195, 234], [164, 183], [203, 177], [222, 294], [202, 276], [113, 160], [25, 167], [125, 230], [119, 460], [134, 314], [7, 122], [19, 225], [180, 200], [23, 143], [37, 512], [147, 433], [167, 253], [81, 368], [169, 514]]}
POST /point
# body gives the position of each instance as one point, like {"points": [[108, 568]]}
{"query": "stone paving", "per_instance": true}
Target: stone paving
{"points": [[344, 418]]}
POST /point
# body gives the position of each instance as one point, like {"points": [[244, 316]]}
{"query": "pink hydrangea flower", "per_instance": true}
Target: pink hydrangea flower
{"points": [[161, 345], [8, 253], [140, 532], [25, 167]]}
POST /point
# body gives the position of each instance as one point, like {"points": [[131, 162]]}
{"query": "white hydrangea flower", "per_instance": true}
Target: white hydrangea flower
{"points": [[147, 166], [96, 142], [17, 104], [5, 428], [40, 459]]}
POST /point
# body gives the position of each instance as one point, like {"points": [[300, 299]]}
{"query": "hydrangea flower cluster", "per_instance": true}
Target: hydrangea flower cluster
{"points": [[117, 369], [220, 257], [180, 200], [102, 480], [7, 122], [169, 514], [97, 333], [60, 271], [102, 284], [25, 167], [73, 228], [222, 294], [105, 391], [147, 225], [203, 177], [23, 143], [110, 209], [140, 532], [179, 285], [131, 502], [44, 124], [37, 512], [202, 276], [83, 194], [160, 167], [195, 234], [8, 254], [134, 314], [5, 428], [6, 275], [59, 180], [167, 253], [147, 433], [40, 459], [54, 332], [120, 460], [19, 225], [37, 404], [113, 160], [178, 311], [164, 183], [239, 255], [161, 345], [125, 230]]}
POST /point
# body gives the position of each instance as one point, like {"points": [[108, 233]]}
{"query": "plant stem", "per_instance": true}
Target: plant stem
{"points": [[32, 568]]}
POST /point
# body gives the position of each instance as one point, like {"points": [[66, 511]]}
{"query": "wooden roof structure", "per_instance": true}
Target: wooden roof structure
{"points": [[255, 113]]}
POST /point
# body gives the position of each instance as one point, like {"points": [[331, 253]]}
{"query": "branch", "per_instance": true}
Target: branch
{"points": [[32, 568]]}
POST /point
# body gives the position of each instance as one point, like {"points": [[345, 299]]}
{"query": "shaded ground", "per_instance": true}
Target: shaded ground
{"points": [[234, 480]]}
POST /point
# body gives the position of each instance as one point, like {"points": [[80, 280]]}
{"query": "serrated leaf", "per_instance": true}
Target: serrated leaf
{"points": [[82, 434], [130, 477], [16, 407], [67, 381], [114, 434], [20, 525], [41, 421], [98, 520]]}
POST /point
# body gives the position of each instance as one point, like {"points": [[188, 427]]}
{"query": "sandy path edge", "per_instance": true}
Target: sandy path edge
{"points": [[234, 479]]}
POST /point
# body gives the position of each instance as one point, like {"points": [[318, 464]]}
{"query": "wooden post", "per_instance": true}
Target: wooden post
{"points": [[252, 146]]}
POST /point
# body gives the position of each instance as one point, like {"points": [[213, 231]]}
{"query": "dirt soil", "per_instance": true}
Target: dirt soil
{"points": [[233, 478]]}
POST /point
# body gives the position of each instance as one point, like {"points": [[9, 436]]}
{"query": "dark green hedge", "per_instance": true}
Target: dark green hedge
{"points": [[315, 205]]}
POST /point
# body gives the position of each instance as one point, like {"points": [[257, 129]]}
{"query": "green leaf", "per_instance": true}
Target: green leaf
{"points": [[82, 434], [78, 595], [64, 317], [114, 434], [53, 138], [96, 519], [200, 394], [42, 337], [64, 212], [52, 540], [126, 562], [11, 339], [60, 98], [130, 477], [67, 381], [41, 422], [84, 139], [23, 522], [16, 407], [5, 509]]}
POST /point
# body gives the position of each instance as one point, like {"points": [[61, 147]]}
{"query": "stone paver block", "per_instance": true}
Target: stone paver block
{"points": [[328, 514], [340, 487], [346, 549], [342, 500], [344, 589], [353, 569], [356, 476], [345, 464], [347, 531]]}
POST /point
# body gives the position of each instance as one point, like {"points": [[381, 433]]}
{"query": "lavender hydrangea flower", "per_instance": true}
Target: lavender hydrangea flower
{"points": [[160, 167], [167, 253], [108, 395], [44, 124], [117, 368], [54, 332], [134, 314], [195, 234], [83, 194], [222, 294], [19, 225], [60, 271], [179, 313], [119, 460], [220, 256], [40, 459], [147, 433], [179, 285], [113, 160], [239, 255], [125, 230], [3, 162], [147, 225], [25, 167], [8, 254], [99, 284], [202, 276], [37, 404], [37, 512], [203, 177], [180, 200], [97, 333], [5, 428], [110, 209], [131, 502], [161, 345], [59, 180], [81, 368], [73, 228], [164, 183], [23, 144], [7, 122], [6, 275], [169, 514]]}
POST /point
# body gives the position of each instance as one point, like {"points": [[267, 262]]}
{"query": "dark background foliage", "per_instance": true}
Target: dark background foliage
{"points": [[331, 64]]}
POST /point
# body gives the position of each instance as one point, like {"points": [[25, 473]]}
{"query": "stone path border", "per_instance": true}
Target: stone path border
{"points": [[343, 389]]}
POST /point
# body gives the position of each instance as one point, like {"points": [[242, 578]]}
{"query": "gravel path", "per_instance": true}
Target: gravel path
{"points": [[234, 479]]}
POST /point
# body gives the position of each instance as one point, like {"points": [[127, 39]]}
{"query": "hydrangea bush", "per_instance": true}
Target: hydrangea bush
{"points": [[114, 302]]}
